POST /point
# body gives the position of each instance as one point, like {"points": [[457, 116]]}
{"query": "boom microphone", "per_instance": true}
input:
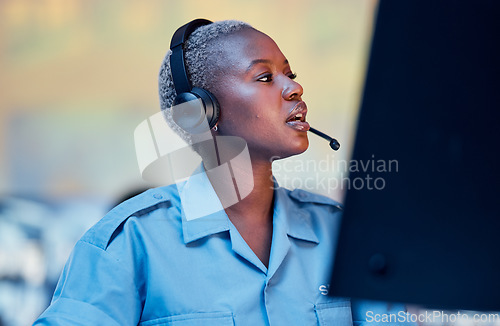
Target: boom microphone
{"points": [[334, 144]]}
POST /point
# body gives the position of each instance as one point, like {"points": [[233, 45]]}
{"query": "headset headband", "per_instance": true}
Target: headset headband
{"points": [[177, 62]]}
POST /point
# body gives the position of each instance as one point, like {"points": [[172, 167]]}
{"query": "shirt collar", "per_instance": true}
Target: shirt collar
{"points": [[202, 211], [295, 219], [204, 215]]}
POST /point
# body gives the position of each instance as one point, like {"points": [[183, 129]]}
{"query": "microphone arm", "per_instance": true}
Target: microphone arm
{"points": [[334, 144]]}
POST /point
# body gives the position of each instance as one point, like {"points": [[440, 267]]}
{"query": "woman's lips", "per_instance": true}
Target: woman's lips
{"points": [[298, 125], [297, 117]]}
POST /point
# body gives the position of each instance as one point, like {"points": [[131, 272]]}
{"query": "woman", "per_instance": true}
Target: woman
{"points": [[264, 260]]}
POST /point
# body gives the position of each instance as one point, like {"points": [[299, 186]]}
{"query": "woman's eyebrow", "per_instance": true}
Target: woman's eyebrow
{"points": [[256, 61]]}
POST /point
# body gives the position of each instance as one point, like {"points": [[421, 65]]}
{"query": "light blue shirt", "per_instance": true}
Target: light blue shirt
{"points": [[144, 263]]}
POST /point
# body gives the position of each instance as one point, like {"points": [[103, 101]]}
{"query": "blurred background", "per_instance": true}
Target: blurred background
{"points": [[77, 77]]}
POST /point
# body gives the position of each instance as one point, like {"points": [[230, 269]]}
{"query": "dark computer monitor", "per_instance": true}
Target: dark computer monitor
{"points": [[426, 228]]}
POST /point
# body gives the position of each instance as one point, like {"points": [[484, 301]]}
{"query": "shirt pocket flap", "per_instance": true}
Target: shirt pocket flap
{"points": [[196, 319], [334, 313]]}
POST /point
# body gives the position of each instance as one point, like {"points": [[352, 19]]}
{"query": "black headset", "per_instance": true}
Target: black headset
{"points": [[190, 117]]}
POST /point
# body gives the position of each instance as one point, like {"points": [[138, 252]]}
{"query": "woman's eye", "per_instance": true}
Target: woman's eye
{"points": [[266, 78], [292, 76]]}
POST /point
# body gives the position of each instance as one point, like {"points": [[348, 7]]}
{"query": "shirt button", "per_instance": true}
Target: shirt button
{"points": [[158, 196]]}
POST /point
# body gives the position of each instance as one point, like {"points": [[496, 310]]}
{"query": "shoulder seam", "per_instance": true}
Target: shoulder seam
{"points": [[308, 197], [102, 233]]}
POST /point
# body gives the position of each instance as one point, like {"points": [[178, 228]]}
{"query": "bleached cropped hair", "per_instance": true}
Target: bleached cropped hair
{"points": [[201, 52]]}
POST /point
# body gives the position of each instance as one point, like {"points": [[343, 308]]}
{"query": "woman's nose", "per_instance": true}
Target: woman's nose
{"points": [[292, 90]]}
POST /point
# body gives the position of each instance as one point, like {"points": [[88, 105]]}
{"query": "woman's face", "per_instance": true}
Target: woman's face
{"points": [[259, 99]]}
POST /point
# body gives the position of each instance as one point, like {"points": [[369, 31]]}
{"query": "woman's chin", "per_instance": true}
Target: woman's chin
{"points": [[299, 147], [301, 144], [303, 147]]}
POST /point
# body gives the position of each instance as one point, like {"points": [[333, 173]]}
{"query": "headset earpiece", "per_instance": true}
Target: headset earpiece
{"points": [[192, 106], [212, 109], [190, 110]]}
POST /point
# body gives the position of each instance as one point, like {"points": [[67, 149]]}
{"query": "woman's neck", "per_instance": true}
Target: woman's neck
{"points": [[236, 173], [253, 215], [257, 206]]}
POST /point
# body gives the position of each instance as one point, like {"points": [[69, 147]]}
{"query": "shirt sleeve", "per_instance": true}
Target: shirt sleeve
{"points": [[94, 289]]}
